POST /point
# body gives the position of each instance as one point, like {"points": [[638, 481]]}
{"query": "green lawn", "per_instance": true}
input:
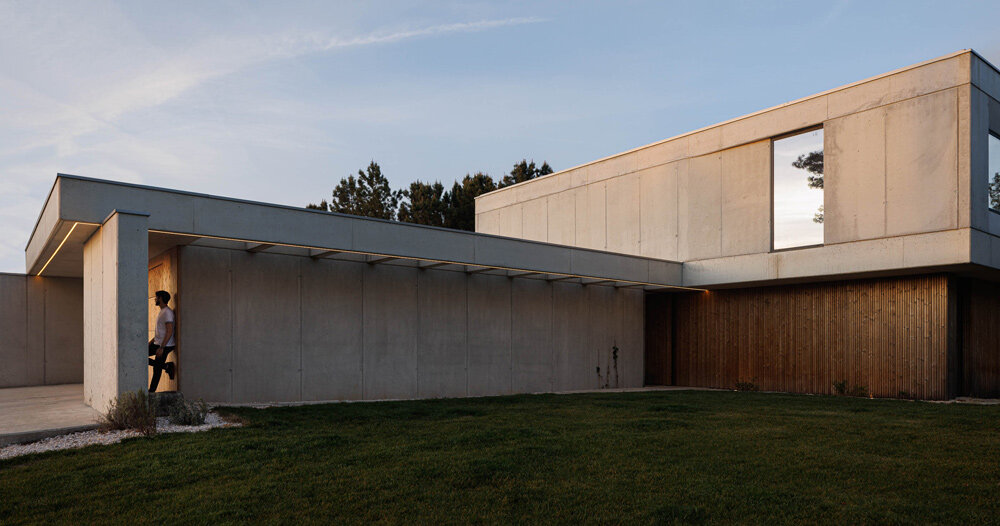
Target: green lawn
{"points": [[638, 458]]}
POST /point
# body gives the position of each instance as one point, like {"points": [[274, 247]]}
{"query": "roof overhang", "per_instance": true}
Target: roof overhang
{"points": [[77, 206]]}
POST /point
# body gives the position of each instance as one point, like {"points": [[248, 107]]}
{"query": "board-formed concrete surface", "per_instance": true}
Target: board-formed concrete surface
{"points": [[33, 413], [261, 327], [115, 283], [906, 156], [41, 327]]}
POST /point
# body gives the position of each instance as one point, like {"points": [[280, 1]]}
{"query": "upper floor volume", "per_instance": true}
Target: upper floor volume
{"points": [[891, 174]]}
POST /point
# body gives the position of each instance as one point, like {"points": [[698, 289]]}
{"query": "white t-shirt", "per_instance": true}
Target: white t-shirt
{"points": [[166, 316]]}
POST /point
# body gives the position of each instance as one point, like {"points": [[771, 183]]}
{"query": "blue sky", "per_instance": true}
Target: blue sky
{"points": [[276, 101]]}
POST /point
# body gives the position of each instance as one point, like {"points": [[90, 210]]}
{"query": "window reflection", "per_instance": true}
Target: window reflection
{"points": [[798, 190], [994, 173]]}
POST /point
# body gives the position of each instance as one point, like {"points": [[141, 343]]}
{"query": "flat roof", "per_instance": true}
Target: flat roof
{"points": [[77, 206]]}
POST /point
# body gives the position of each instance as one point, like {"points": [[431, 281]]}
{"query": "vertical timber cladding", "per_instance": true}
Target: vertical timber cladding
{"points": [[889, 336], [979, 315]]}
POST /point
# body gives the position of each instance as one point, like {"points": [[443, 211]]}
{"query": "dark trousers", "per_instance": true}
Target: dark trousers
{"points": [[158, 364]]}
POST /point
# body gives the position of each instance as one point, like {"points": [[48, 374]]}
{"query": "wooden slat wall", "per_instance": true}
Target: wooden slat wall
{"points": [[888, 335], [979, 315]]}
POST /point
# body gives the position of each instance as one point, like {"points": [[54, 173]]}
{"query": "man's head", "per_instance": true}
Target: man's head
{"points": [[162, 298]]}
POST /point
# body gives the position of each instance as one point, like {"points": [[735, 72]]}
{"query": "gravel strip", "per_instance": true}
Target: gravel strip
{"points": [[89, 438]]}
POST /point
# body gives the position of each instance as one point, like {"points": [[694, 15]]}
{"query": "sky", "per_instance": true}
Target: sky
{"points": [[277, 101], [795, 203]]}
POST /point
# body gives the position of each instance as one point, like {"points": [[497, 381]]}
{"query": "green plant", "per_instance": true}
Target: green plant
{"points": [[747, 386], [842, 389], [859, 391], [184, 413], [132, 410]]}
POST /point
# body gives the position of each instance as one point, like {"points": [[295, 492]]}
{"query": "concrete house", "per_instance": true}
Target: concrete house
{"points": [[849, 237]]}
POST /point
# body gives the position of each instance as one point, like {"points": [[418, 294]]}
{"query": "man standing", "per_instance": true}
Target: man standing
{"points": [[163, 340]]}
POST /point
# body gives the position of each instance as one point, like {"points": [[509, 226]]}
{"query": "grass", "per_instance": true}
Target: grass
{"points": [[637, 458]]}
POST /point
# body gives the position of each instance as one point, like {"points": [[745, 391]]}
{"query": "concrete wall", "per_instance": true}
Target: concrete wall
{"points": [[115, 269], [896, 165], [41, 327], [271, 327]]}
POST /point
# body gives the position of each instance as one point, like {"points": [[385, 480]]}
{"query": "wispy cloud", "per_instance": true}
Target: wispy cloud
{"points": [[51, 125]]}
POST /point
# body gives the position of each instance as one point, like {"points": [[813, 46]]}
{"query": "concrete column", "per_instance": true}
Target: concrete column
{"points": [[115, 274]]}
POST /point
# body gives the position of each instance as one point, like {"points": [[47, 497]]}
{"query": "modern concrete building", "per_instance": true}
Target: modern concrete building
{"points": [[849, 237]]}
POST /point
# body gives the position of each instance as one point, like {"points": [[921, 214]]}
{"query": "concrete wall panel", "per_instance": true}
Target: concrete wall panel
{"points": [[267, 332], [542, 187], [561, 216], [489, 312], [93, 297], [591, 213], [854, 187], [662, 153], [488, 222], [631, 353], [63, 330], [964, 156], [572, 370], [658, 209], [534, 220], [510, 221], [623, 216], [387, 331], [613, 167], [20, 367], [442, 346], [700, 222], [115, 285], [929, 78], [206, 340], [921, 164], [774, 122], [36, 331], [390, 332], [746, 206], [531, 336], [603, 321], [332, 335]]}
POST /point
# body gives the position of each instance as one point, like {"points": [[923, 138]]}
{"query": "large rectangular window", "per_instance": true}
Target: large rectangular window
{"points": [[993, 175], [797, 164]]}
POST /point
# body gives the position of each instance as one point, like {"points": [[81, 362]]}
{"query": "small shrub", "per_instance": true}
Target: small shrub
{"points": [[859, 391], [184, 413], [132, 410], [842, 389], [747, 386]]}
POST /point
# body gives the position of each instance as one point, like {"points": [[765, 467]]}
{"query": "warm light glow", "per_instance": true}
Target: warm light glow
{"points": [[410, 258], [57, 248]]}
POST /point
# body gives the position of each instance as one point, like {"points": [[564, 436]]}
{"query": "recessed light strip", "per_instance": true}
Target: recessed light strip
{"points": [[411, 258], [46, 265]]}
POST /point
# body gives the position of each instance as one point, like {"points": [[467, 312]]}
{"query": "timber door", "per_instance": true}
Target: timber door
{"points": [[658, 340]]}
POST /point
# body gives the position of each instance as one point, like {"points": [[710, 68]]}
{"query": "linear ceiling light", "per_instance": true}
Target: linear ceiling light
{"points": [[57, 249], [387, 257]]}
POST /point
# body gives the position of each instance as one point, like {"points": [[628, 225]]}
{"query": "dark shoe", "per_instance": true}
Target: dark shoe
{"points": [[170, 370]]}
